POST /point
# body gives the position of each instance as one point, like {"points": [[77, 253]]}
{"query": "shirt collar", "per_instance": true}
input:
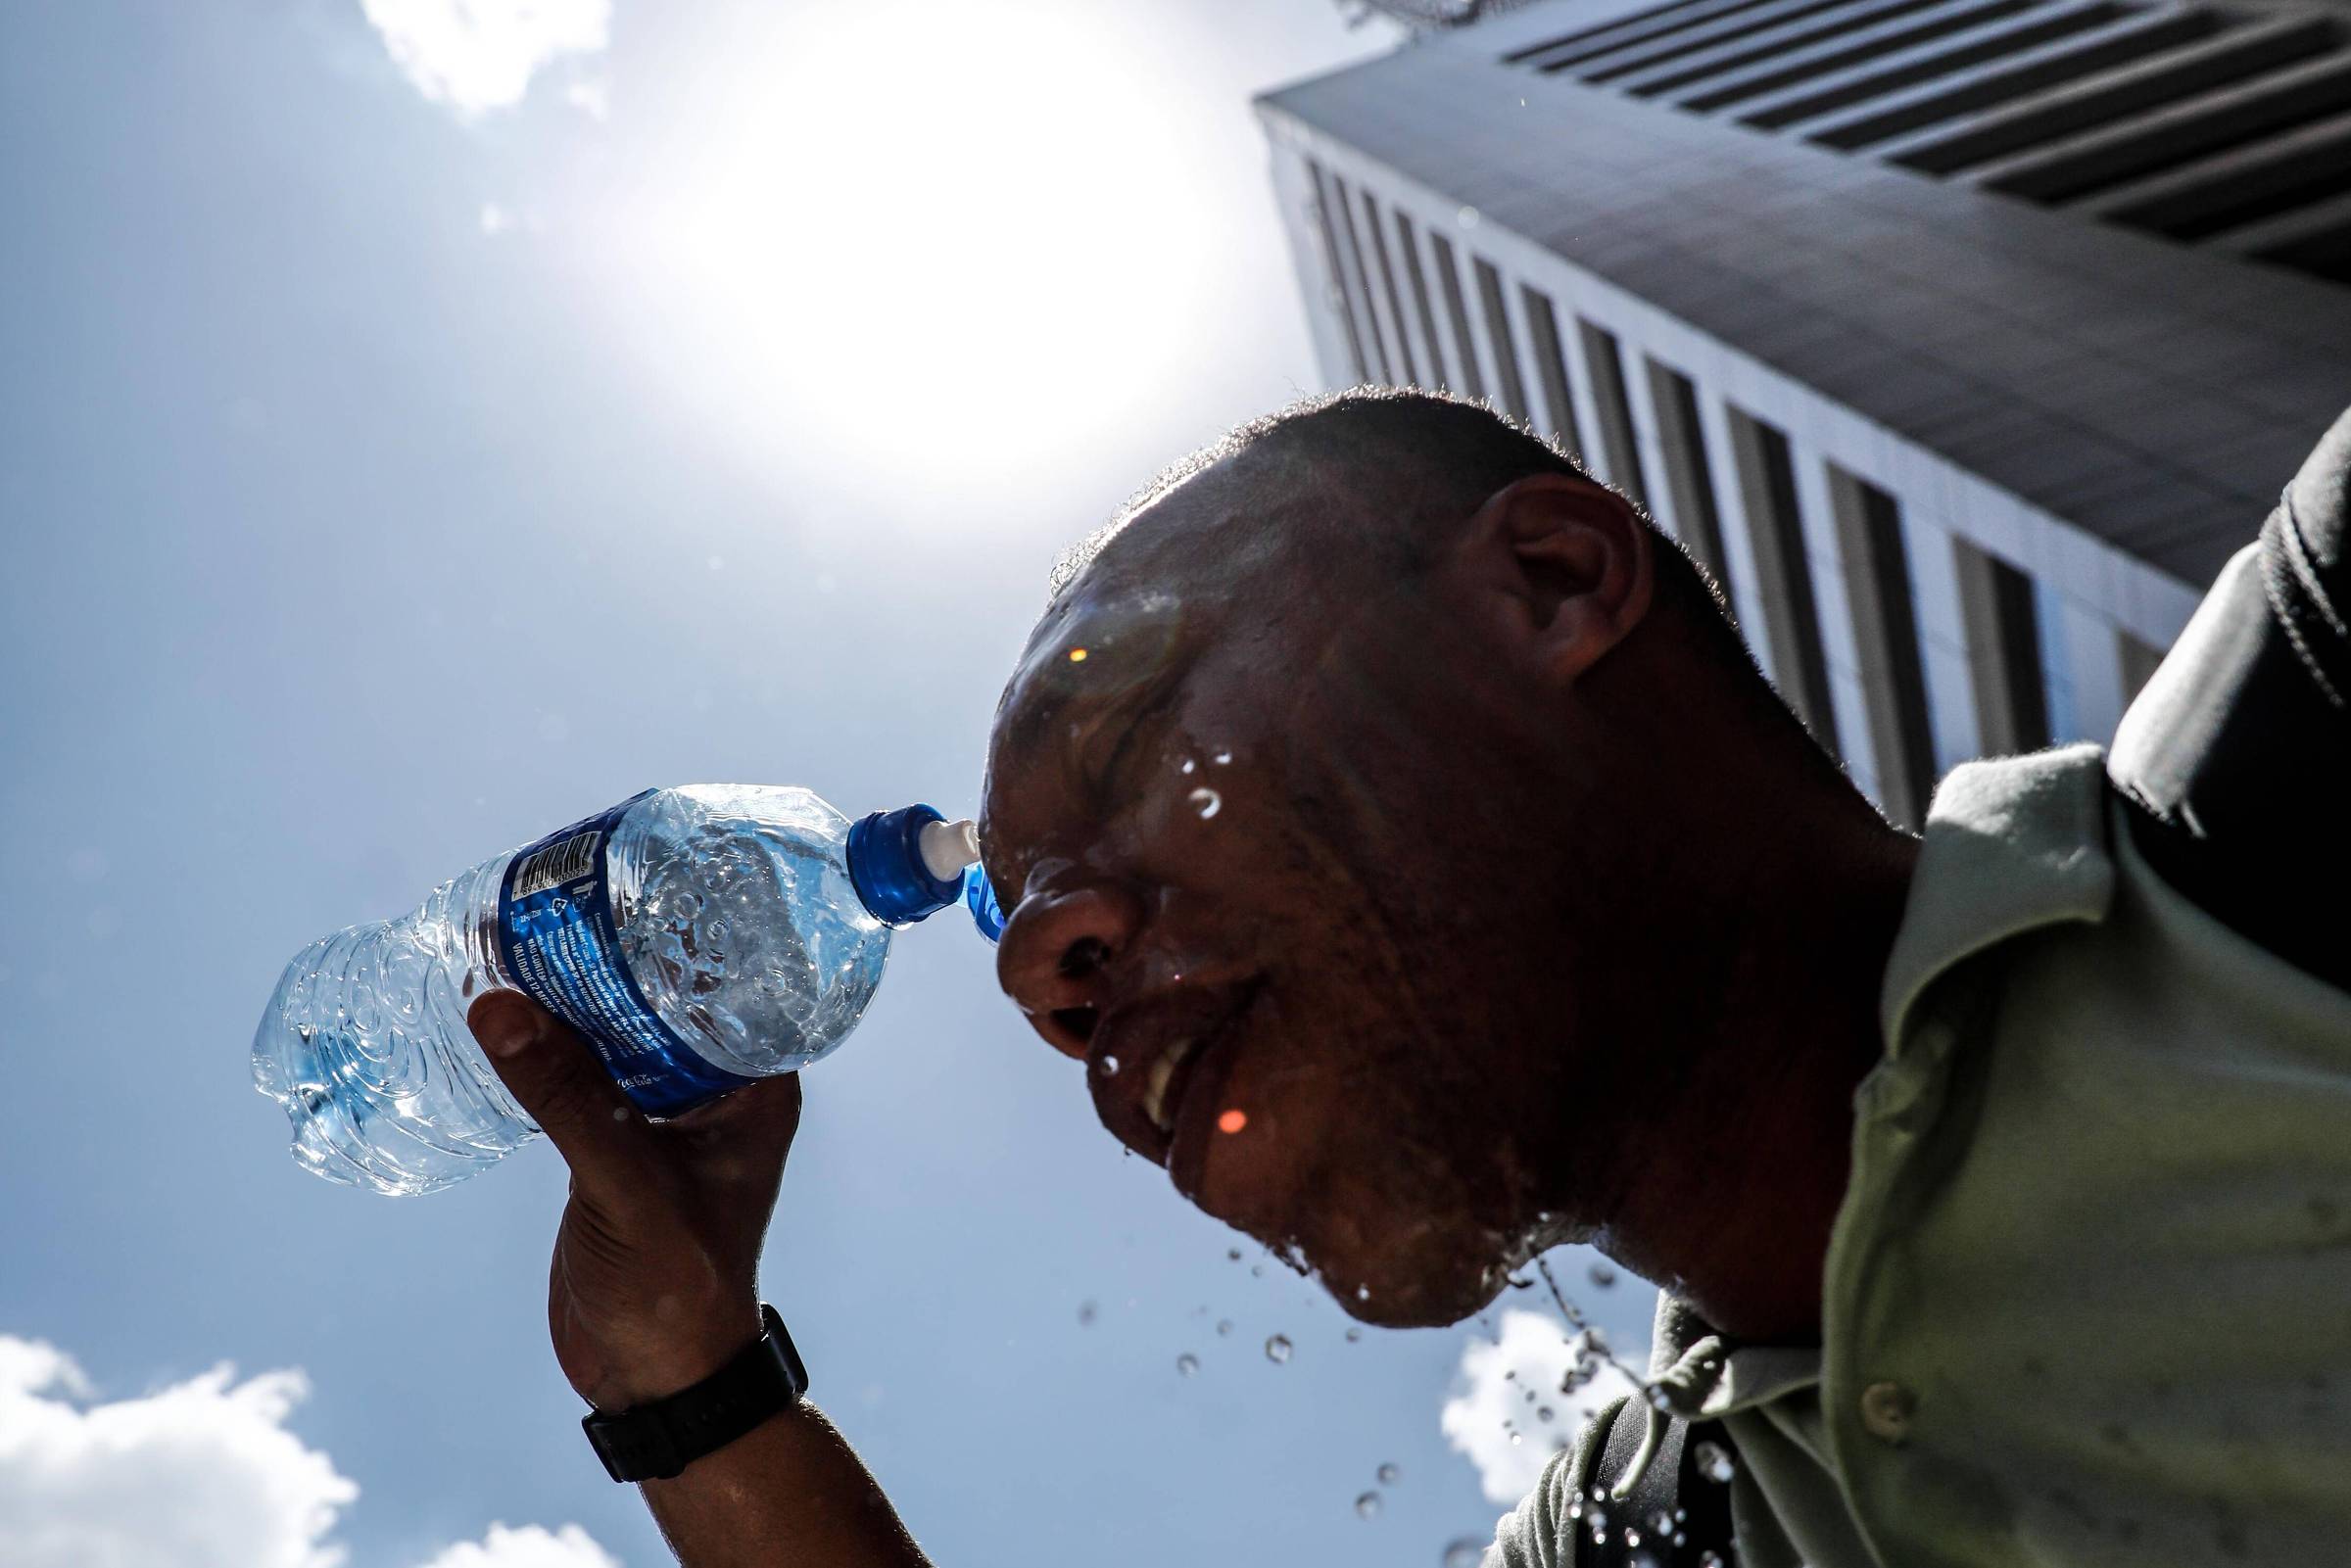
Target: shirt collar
{"points": [[2011, 844]]}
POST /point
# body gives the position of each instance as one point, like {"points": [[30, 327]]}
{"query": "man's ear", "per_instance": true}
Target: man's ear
{"points": [[1565, 567]]}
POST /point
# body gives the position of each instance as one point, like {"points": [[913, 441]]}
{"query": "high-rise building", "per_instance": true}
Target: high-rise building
{"points": [[1962, 340]]}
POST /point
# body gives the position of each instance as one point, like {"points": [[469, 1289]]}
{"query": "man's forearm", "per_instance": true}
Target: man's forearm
{"points": [[790, 1494]]}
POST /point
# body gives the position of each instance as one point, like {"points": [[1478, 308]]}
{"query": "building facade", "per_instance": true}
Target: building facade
{"points": [[1961, 339]]}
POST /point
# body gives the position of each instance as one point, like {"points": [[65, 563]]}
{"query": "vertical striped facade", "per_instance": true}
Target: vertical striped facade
{"points": [[1962, 457]]}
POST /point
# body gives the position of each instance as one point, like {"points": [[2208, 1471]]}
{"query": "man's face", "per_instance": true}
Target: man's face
{"points": [[1219, 809]]}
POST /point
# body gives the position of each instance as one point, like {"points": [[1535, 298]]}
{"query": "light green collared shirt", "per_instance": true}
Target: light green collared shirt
{"points": [[2087, 1301]]}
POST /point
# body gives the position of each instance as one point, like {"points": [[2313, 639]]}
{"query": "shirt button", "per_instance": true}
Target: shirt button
{"points": [[1886, 1411]]}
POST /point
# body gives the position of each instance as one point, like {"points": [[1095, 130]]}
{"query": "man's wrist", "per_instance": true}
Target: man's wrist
{"points": [[663, 1360], [658, 1440]]}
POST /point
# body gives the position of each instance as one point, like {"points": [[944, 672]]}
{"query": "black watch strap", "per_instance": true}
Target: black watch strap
{"points": [[656, 1440]]}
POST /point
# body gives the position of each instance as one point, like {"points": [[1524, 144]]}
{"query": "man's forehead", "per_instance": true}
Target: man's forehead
{"points": [[1107, 634]]}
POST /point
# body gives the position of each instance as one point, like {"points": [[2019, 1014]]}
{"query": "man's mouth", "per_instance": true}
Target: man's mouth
{"points": [[1148, 1061], [1163, 1077]]}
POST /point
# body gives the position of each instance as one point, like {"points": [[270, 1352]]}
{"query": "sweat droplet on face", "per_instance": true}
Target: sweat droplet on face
{"points": [[1206, 802]]}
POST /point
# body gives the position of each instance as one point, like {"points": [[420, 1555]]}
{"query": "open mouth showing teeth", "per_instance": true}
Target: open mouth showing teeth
{"points": [[1162, 1074]]}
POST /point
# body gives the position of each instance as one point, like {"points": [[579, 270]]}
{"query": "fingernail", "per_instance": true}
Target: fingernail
{"points": [[504, 1026]]}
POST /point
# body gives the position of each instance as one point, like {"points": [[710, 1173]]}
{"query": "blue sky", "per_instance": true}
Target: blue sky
{"points": [[412, 440]]}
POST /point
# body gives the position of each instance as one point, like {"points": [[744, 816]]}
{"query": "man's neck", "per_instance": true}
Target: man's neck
{"points": [[1735, 1213]]}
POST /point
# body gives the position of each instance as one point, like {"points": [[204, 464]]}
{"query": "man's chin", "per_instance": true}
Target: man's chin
{"points": [[1423, 1288]]}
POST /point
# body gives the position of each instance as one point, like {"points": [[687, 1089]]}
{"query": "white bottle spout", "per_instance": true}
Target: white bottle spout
{"points": [[947, 847]]}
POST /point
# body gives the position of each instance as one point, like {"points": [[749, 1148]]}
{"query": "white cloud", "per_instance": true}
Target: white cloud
{"points": [[478, 55], [531, 1546], [1490, 1417], [200, 1474]]}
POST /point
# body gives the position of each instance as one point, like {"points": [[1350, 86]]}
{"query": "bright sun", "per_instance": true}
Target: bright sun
{"points": [[926, 234]]}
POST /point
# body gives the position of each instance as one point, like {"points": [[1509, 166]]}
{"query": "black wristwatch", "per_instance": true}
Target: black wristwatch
{"points": [[656, 1440]]}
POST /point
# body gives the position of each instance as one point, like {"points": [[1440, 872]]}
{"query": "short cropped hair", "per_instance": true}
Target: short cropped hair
{"points": [[1424, 460]]}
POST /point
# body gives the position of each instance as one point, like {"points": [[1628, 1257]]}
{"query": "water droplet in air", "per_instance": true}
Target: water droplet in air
{"points": [[1603, 1275], [1714, 1462], [1660, 1524], [1389, 1475], [1223, 759], [1362, 1293], [1366, 1506], [1354, 1336], [1232, 1255], [1542, 1412], [1257, 1270], [1462, 1554], [1632, 1537], [1710, 1559], [1077, 655], [1187, 1364], [1086, 1311], [1110, 1066], [1188, 765], [1224, 1327], [1277, 1349], [1206, 802]]}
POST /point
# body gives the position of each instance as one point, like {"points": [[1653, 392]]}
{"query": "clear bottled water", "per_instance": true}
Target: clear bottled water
{"points": [[700, 939]]}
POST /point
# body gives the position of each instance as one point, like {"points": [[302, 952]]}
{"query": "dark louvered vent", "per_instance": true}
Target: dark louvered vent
{"points": [[2228, 128]]}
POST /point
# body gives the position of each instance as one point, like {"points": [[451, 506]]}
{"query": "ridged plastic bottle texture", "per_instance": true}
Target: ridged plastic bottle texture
{"points": [[738, 926]]}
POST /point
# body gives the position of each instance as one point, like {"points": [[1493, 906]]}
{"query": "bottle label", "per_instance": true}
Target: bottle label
{"points": [[561, 946]]}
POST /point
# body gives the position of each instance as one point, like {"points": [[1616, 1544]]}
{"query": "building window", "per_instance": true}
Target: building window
{"points": [[1682, 438], [1457, 316], [1613, 410], [1408, 245], [1894, 686], [1551, 369], [1510, 389], [2061, 712], [1326, 205], [2139, 661], [1387, 282], [1375, 353], [1775, 529], [2003, 651]]}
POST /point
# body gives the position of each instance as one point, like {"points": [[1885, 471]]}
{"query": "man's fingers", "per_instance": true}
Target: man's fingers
{"points": [[741, 1138], [554, 1075]]}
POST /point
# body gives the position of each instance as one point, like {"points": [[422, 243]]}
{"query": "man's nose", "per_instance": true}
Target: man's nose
{"points": [[1058, 954]]}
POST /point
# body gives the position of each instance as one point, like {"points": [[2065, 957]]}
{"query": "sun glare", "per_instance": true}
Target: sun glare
{"points": [[926, 233]]}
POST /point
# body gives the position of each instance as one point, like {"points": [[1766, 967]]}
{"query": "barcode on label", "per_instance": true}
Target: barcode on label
{"points": [[556, 864]]}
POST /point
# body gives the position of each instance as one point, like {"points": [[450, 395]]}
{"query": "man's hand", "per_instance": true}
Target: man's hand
{"points": [[655, 1278], [656, 1286]]}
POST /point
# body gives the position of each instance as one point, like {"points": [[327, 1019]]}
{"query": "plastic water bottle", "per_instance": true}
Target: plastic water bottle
{"points": [[699, 938]]}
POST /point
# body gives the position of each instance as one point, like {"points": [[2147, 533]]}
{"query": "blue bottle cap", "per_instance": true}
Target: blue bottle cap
{"points": [[981, 899], [887, 869]]}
